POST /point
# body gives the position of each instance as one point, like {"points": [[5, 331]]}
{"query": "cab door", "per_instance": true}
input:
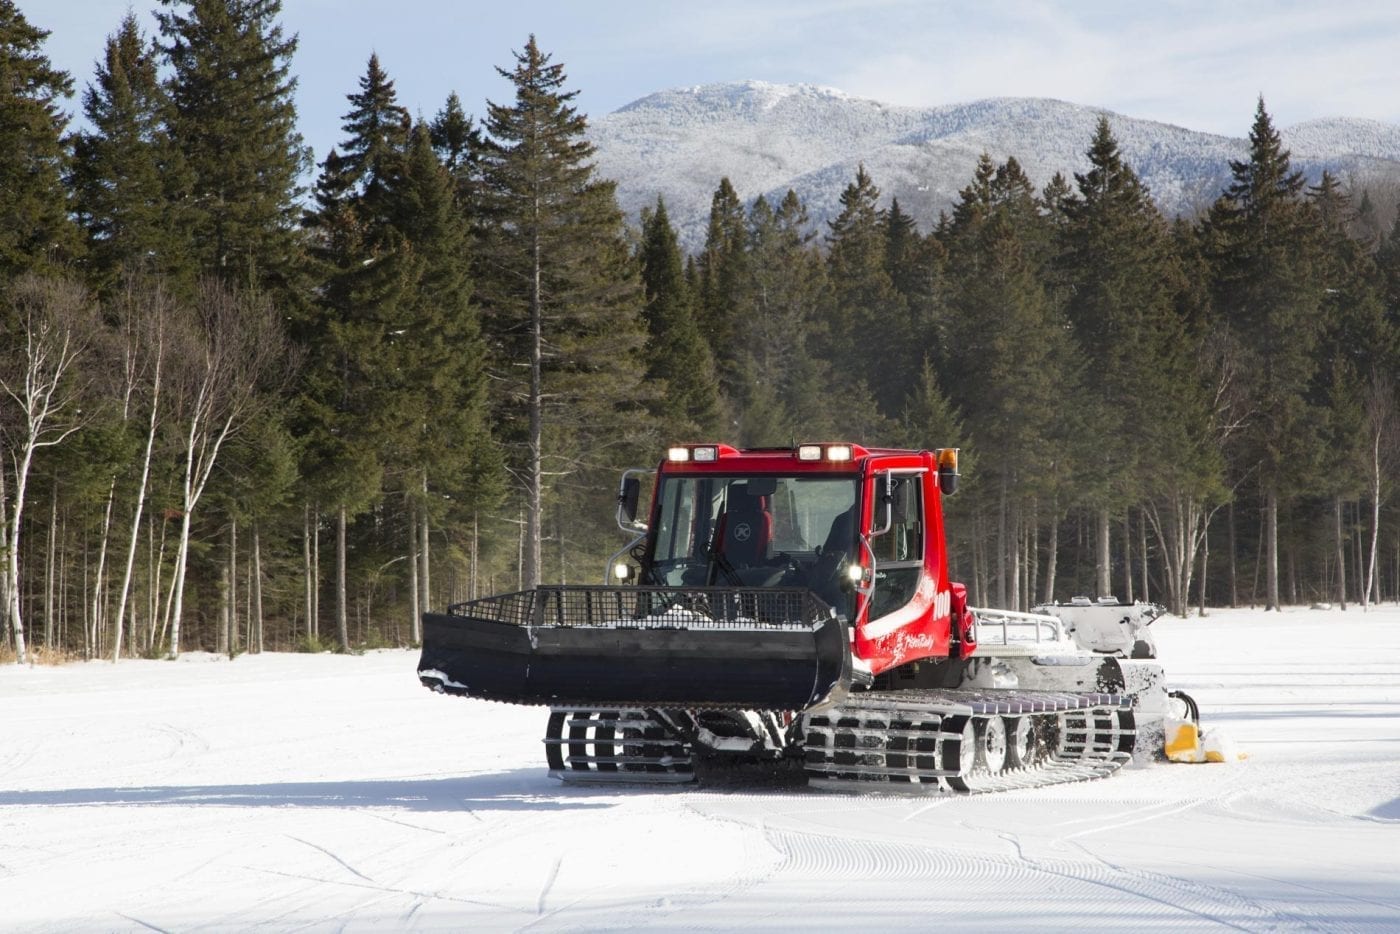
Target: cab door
{"points": [[897, 541]]}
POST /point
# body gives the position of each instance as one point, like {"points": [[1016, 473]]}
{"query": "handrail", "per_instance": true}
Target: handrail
{"points": [[1006, 620]]}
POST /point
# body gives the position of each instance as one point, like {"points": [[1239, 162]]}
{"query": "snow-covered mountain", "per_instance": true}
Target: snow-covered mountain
{"points": [[768, 138]]}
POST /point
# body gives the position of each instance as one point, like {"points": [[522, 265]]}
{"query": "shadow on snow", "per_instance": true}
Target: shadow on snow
{"points": [[515, 790]]}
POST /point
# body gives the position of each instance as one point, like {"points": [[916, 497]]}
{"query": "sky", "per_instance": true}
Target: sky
{"points": [[1200, 64]]}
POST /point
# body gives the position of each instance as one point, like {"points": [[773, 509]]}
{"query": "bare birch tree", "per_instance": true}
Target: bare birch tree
{"points": [[219, 362], [48, 323], [1180, 508], [1383, 433], [143, 321]]}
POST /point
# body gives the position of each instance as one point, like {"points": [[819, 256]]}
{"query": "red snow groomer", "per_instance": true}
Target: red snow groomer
{"points": [[792, 606]]}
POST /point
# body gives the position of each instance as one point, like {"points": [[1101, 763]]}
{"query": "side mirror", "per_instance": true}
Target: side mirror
{"points": [[629, 496]]}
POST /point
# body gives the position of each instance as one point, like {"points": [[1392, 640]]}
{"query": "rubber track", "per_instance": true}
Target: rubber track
{"points": [[910, 741], [617, 745]]}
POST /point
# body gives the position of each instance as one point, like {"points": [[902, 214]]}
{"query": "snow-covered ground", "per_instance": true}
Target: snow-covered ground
{"points": [[292, 792]]}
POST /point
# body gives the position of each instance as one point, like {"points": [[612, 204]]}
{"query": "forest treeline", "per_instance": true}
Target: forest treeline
{"points": [[251, 401]]}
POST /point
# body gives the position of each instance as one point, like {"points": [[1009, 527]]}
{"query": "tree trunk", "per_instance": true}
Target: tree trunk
{"points": [[534, 496], [413, 608], [520, 563], [1341, 553], [233, 587], [1013, 559], [1053, 549], [100, 577], [1271, 549], [1127, 556], [12, 554], [342, 619], [1359, 563], [1369, 595], [226, 587], [424, 556], [1103, 555], [1033, 584], [316, 572], [1002, 522], [1205, 565], [257, 589], [175, 604], [136, 518], [1230, 544], [476, 562], [52, 563], [306, 567], [1142, 554]]}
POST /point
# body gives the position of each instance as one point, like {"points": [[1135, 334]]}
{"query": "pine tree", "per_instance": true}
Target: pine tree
{"points": [[785, 386], [916, 269], [678, 357], [1357, 346], [458, 142], [451, 462], [378, 129], [724, 273], [351, 431], [1266, 291], [1119, 261], [1013, 375], [128, 180], [234, 122], [868, 322], [560, 293], [36, 233]]}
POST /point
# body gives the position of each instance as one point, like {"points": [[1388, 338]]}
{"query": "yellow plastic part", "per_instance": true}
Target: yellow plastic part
{"points": [[1183, 741]]}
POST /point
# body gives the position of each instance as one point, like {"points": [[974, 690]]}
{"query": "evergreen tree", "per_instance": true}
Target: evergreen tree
{"points": [[1266, 291], [127, 178], [1013, 374], [786, 386], [1357, 345], [560, 294], [1118, 255], [352, 433], [36, 232], [378, 129], [868, 323], [678, 357], [459, 145], [451, 462], [916, 267], [724, 274], [234, 122]]}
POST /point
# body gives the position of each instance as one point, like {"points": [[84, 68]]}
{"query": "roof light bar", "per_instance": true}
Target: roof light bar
{"points": [[678, 454], [809, 452], [838, 452], [704, 455]]}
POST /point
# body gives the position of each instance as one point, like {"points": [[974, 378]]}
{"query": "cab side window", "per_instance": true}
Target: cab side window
{"points": [[899, 552]]}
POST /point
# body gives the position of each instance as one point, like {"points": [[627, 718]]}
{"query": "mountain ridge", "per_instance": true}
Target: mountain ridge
{"points": [[766, 138]]}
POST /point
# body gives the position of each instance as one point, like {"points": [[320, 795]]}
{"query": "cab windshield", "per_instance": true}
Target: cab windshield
{"points": [[756, 531]]}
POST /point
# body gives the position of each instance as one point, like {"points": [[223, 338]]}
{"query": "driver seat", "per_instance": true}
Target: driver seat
{"points": [[748, 528]]}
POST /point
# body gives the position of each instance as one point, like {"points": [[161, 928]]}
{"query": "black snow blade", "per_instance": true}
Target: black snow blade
{"points": [[757, 649]]}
